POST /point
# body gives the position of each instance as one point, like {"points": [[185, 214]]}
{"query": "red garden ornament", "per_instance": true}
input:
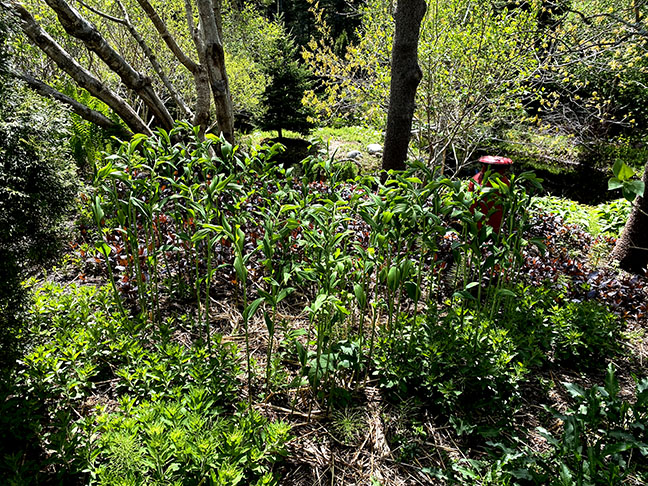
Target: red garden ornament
{"points": [[494, 164]]}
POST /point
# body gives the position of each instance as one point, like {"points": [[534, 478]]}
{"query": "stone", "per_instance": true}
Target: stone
{"points": [[374, 148], [354, 154]]}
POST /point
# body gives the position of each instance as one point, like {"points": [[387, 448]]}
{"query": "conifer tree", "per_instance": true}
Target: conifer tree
{"points": [[282, 97]]}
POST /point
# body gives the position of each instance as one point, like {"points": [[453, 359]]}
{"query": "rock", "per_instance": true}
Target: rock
{"points": [[374, 148], [354, 154]]}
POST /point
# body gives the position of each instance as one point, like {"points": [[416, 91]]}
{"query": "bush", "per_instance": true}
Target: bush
{"points": [[549, 328], [462, 363], [82, 352], [37, 189], [603, 442]]}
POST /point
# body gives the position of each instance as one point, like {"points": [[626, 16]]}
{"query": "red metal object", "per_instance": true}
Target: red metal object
{"points": [[499, 165]]}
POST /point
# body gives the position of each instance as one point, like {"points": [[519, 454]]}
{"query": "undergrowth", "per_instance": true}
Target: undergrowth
{"points": [[401, 284]]}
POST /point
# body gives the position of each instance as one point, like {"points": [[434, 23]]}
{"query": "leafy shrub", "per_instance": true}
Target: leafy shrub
{"points": [[613, 215], [82, 351], [37, 189], [73, 335], [185, 441], [549, 328], [605, 218], [603, 442], [582, 332], [600, 434], [170, 370], [463, 363]]}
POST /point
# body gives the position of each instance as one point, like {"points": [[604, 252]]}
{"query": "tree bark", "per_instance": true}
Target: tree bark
{"points": [[405, 78], [168, 39], [155, 63], [77, 72], [210, 76], [215, 60], [631, 249]]}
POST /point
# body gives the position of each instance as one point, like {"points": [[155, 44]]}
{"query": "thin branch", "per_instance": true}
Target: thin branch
{"points": [[154, 62], [169, 40], [102, 14], [78, 27]]}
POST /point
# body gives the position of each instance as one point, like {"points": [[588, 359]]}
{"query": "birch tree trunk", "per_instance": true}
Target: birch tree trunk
{"points": [[214, 56]]}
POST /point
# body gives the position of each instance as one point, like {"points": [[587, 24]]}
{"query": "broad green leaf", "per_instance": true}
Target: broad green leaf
{"points": [[614, 183], [251, 309], [622, 171], [464, 295], [505, 293], [284, 293], [413, 290], [241, 270], [359, 292], [393, 278]]}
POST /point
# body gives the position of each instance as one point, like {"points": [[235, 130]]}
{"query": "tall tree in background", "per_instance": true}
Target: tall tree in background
{"points": [[142, 106], [283, 95], [405, 78]]}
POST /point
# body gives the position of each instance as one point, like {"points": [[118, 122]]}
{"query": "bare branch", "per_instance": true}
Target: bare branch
{"points": [[154, 62], [77, 26], [102, 14]]}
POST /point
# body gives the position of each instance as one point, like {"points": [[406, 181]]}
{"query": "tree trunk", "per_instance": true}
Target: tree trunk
{"points": [[215, 60], [631, 249], [210, 76], [405, 78], [80, 109]]}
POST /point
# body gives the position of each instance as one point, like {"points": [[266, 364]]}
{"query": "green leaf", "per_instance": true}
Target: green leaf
{"points": [[103, 248], [393, 278], [241, 270], [301, 353], [251, 309], [611, 382], [636, 187], [505, 293], [610, 449], [413, 290], [97, 210], [359, 292], [622, 171], [387, 216], [614, 183], [269, 323], [464, 295]]}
